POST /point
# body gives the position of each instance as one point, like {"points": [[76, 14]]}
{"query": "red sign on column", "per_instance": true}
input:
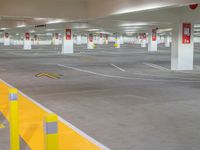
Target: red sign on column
{"points": [[27, 36], [186, 35], [90, 37], [154, 34], [68, 34]]}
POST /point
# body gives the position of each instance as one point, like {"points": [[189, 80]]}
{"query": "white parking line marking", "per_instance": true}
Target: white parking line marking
{"points": [[127, 78], [118, 68], [156, 66]]}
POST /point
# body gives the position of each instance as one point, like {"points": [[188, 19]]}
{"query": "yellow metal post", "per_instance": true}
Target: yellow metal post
{"points": [[51, 132], [14, 120]]}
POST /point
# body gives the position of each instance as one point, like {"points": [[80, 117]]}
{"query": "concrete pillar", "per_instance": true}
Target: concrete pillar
{"points": [[182, 55], [167, 41], [6, 39], [79, 39], [67, 44], [55, 39], [27, 41], [100, 39], [121, 39], [152, 44], [106, 42], [35, 40], [117, 41], [90, 43]]}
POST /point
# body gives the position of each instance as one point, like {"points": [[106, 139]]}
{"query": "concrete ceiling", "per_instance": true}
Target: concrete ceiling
{"points": [[90, 15]]}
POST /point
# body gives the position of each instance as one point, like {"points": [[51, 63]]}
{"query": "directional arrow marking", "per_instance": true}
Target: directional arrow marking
{"points": [[49, 75]]}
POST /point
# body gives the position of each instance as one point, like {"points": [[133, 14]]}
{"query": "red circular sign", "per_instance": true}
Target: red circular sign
{"points": [[193, 6]]}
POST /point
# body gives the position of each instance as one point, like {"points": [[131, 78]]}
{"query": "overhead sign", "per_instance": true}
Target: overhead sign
{"points": [[68, 34], [154, 34], [186, 35]]}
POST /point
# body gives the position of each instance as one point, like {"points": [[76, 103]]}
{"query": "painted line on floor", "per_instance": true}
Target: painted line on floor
{"points": [[118, 67], [32, 113], [127, 78], [156, 66]]}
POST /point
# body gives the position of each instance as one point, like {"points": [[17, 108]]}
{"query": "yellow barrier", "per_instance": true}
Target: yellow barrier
{"points": [[51, 132], [14, 120]]}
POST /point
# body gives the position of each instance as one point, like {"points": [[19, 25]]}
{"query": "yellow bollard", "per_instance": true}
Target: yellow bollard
{"points": [[51, 132], [14, 120]]}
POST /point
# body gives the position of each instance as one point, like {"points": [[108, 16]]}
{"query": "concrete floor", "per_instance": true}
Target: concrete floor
{"points": [[125, 98]]}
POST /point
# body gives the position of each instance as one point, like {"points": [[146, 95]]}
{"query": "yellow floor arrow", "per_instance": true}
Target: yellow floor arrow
{"points": [[49, 75]]}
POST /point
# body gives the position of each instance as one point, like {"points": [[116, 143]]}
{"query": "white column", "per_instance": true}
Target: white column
{"points": [[6, 39], [68, 44], [106, 40], [152, 44], [27, 40], [167, 41], [100, 38], [55, 39], [90, 41], [182, 54], [117, 42], [121, 39], [79, 39]]}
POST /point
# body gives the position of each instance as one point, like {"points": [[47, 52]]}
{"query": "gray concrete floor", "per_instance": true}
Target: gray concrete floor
{"points": [[136, 108]]}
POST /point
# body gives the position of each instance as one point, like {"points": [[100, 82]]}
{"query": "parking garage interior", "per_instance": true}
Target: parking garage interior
{"points": [[117, 75]]}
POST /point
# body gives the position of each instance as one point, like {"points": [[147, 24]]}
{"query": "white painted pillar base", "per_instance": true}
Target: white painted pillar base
{"points": [[182, 55], [27, 41], [67, 44], [152, 44]]}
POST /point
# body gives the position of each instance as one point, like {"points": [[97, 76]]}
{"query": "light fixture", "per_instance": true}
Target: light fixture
{"points": [[56, 21], [21, 26]]}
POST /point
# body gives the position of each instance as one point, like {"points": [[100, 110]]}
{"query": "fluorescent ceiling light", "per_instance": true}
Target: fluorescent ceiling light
{"points": [[3, 28], [197, 25], [133, 24], [32, 31], [55, 21], [50, 29], [142, 8], [21, 26], [93, 29], [164, 30]]}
